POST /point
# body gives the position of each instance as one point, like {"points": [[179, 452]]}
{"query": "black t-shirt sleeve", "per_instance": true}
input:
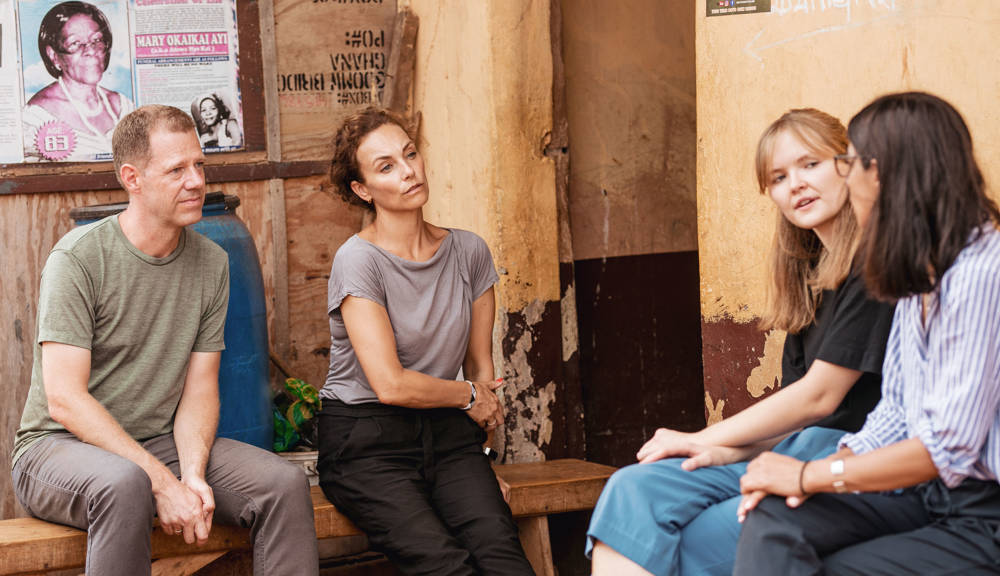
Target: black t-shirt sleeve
{"points": [[857, 332], [793, 360]]}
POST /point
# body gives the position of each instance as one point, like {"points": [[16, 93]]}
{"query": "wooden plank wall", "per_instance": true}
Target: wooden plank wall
{"points": [[329, 57], [317, 224]]}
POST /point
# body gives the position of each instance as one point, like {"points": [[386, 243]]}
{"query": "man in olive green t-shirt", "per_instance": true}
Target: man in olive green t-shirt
{"points": [[120, 420]]}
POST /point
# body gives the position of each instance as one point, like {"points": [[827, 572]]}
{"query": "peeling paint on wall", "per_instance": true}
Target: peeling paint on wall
{"points": [[767, 375], [574, 427], [738, 369], [713, 409], [731, 351], [570, 336], [527, 395]]}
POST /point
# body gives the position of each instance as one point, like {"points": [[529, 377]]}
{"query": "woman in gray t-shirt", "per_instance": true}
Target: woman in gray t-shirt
{"points": [[411, 305]]}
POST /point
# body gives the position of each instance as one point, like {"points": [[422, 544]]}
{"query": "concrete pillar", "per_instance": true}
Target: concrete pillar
{"points": [[484, 87]]}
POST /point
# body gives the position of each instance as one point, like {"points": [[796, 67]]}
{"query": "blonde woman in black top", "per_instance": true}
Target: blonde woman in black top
{"points": [[676, 511]]}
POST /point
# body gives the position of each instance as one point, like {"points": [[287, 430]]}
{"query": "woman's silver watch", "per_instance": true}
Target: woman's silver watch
{"points": [[472, 396]]}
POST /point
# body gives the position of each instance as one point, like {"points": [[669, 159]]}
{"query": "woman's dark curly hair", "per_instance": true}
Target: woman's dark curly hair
{"points": [[344, 167]]}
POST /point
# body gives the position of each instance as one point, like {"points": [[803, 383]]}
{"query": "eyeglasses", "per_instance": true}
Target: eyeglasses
{"points": [[843, 162], [98, 44]]}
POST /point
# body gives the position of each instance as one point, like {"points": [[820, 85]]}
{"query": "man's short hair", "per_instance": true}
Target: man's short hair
{"points": [[130, 143]]}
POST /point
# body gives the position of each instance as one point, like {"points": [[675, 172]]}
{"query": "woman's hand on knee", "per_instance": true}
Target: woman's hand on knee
{"points": [[748, 503], [704, 456], [774, 474], [667, 443]]}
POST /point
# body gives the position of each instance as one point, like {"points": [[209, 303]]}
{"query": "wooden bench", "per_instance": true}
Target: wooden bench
{"points": [[32, 546]]}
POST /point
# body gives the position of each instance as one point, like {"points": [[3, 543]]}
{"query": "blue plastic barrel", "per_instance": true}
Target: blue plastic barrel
{"points": [[244, 382]]}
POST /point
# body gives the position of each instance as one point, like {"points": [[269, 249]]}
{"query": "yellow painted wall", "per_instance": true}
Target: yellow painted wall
{"points": [[630, 91], [484, 87], [835, 55]]}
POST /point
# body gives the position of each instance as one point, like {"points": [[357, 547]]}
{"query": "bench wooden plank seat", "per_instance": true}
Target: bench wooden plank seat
{"points": [[32, 546]]}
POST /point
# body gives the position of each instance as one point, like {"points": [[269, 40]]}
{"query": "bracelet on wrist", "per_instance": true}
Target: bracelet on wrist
{"points": [[472, 396], [837, 471]]}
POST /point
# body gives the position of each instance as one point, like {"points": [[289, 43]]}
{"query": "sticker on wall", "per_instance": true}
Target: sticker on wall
{"points": [[333, 57], [732, 7]]}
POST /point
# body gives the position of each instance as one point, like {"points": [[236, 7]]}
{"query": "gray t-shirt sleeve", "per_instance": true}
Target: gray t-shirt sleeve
{"points": [[211, 330], [66, 302], [482, 272], [354, 273]]}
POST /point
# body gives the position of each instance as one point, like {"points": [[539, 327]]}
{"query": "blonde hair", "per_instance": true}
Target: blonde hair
{"points": [[801, 266]]}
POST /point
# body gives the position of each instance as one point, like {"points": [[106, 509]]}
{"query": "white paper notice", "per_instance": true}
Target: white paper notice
{"points": [[186, 55], [10, 87]]}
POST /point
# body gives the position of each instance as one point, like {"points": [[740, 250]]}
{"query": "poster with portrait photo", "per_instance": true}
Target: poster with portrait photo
{"points": [[218, 128], [187, 55], [77, 75], [10, 87]]}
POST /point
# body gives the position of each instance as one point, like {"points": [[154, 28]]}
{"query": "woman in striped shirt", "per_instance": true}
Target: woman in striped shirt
{"points": [[916, 490]]}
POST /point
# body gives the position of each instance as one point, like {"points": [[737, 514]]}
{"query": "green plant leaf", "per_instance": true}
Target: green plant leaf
{"points": [[285, 436]]}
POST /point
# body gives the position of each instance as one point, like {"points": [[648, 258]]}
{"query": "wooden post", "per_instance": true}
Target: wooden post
{"points": [[276, 188], [534, 532], [402, 56]]}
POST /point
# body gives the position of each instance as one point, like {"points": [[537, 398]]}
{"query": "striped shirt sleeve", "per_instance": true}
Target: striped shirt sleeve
{"points": [[959, 408], [886, 424]]}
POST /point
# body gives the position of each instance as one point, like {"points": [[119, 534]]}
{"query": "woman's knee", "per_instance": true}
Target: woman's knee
{"points": [[771, 520], [644, 483], [631, 478]]}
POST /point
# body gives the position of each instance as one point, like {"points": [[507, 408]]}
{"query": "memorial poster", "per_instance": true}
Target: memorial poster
{"points": [[187, 55], [76, 73]]}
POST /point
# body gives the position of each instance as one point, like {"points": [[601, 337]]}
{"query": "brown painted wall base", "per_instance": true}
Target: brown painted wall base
{"points": [[640, 350], [732, 351]]}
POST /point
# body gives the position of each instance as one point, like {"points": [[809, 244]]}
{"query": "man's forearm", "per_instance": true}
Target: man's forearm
{"points": [[89, 421], [195, 426], [65, 373], [197, 415]]}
